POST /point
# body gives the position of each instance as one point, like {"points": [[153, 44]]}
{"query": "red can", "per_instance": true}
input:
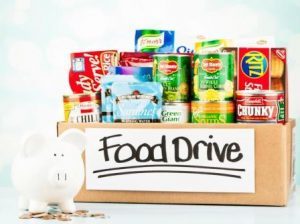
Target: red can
{"points": [[260, 106], [88, 68]]}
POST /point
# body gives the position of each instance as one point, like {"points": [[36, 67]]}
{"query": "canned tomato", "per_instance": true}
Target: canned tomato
{"points": [[213, 76], [173, 72], [175, 113], [212, 112], [82, 108], [260, 106]]}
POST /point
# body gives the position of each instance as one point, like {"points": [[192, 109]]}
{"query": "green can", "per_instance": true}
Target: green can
{"points": [[213, 76], [173, 71]]}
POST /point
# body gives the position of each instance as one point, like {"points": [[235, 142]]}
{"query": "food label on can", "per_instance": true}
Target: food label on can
{"points": [[173, 73], [211, 113], [212, 118], [84, 109], [168, 67], [211, 65], [213, 77], [88, 68], [254, 69], [260, 108], [176, 113]]}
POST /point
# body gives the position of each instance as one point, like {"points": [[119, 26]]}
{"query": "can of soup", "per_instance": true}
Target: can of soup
{"points": [[213, 76], [173, 71], [175, 113], [260, 106], [212, 112], [82, 108]]}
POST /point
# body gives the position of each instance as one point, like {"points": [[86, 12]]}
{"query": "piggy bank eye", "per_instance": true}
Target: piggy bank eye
{"points": [[62, 155], [54, 154]]}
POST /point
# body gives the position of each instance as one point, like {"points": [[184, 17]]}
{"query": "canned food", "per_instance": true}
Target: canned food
{"points": [[175, 113], [212, 112], [260, 106], [82, 108], [213, 77], [173, 72]]}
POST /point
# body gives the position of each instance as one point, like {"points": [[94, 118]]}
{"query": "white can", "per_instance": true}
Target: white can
{"points": [[175, 113]]}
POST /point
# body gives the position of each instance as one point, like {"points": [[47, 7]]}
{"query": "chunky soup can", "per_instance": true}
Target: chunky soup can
{"points": [[82, 108], [213, 76], [260, 106], [175, 113], [212, 112], [173, 71]]}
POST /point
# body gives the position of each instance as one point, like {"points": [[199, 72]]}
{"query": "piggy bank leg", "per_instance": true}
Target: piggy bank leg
{"points": [[37, 206], [23, 203], [68, 206]]}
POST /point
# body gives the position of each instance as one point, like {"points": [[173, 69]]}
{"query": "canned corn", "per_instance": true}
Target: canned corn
{"points": [[213, 76]]}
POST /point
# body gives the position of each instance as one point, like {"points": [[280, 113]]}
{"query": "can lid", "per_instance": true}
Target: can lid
{"points": [[82, 95], [176, 104], [213, 102], [258, 92]]}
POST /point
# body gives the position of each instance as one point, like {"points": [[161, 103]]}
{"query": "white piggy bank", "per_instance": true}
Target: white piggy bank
{"points": [[49, 171]]}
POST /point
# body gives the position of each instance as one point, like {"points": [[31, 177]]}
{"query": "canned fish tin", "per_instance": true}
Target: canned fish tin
{"points": [[260, 106], [213, 77], [82, 108], [212, 112], [175, 113], [173, 72]]}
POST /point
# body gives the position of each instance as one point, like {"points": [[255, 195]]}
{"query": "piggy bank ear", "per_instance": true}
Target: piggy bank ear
{"points": [[33, 144], [74, 137]]}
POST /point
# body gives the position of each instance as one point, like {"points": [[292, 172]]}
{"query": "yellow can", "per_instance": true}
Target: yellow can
{"points": [[212, 112]]}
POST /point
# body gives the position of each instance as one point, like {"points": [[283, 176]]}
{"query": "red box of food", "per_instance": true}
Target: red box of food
{"points": [[87, 68], [254, 69]]}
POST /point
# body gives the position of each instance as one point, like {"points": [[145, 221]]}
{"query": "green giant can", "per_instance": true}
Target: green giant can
{"points": [[173, 71], [213, 76]]}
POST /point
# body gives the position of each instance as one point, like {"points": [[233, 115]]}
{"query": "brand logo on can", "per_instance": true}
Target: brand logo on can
{"points": [[254, 64], [211, 65], [168, 67]]}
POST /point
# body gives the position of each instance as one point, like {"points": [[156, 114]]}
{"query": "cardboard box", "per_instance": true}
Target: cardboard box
{"points": [[274, 156]]}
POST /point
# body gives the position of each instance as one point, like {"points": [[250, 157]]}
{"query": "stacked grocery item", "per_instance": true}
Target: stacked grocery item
{"points": [[219, 82], [173, 71], [213, 77]]}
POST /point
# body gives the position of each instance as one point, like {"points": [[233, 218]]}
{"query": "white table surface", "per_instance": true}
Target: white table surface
{"points": [[170, 214]]}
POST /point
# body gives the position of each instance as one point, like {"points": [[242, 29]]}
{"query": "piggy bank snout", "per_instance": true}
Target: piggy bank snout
{"points": [[58, 176]]}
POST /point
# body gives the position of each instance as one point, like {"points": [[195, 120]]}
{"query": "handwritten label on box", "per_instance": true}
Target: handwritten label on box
{"points": [[182, 160]]}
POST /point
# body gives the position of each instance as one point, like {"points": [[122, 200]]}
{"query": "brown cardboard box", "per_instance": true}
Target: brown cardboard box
{"points": [[273, 169]]}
